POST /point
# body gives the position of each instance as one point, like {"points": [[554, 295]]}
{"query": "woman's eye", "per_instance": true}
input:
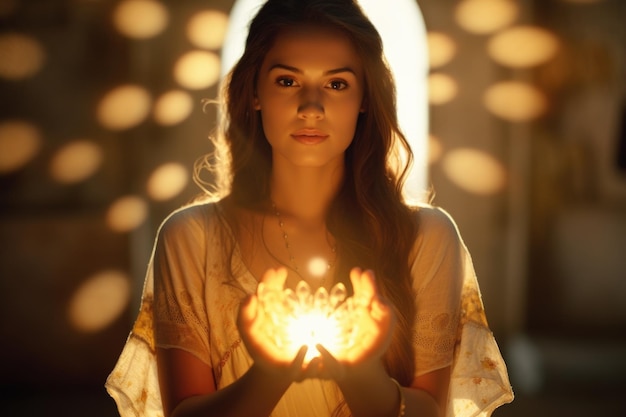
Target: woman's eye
{"points": [[286, 82], [337, 85]]}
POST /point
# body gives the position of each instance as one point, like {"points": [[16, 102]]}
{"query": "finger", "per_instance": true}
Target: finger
{"points": [[274, 279], [248, 310], [332, 367]]}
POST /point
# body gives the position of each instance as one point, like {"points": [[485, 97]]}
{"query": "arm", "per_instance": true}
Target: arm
{"points": [[188, 388], [187, 385], [370, 392], [360, 374]]}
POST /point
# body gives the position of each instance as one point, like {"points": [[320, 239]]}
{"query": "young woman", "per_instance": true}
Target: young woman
{"points": [[309, 134]]}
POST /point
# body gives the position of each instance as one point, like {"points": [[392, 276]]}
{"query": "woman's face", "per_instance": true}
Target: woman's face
{"points": [[310, 93]]}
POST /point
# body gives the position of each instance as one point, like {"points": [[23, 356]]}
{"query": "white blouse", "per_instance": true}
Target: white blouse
{"points": [[191, 299]]}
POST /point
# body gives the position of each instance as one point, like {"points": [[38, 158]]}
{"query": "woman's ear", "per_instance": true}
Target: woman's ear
{"points": [[363, 108], [257, 105]]}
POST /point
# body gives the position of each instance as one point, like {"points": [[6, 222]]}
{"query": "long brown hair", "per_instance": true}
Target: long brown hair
{"points": [[373, 227]]}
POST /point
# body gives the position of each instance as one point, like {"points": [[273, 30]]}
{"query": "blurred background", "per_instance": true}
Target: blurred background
{"points": [[102, 116]]}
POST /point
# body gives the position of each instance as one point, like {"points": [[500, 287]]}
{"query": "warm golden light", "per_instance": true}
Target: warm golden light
{"points": [[124, 107], [523, 47], [435, 149], [442, 88], [127, 213], [167, 181], [486, 16], [207, 29], [140, 19], [76, 162], [441, 49], [99, 301], [474, 171], [21, 56], [515, 101], [305, 318], [173, 107], [197, 70], [19, 144]]}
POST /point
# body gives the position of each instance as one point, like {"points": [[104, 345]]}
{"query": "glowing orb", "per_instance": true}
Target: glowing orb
{"points": [[303, 318]]}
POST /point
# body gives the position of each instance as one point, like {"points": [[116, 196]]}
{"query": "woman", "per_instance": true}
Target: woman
{"points": [[310, 132]]}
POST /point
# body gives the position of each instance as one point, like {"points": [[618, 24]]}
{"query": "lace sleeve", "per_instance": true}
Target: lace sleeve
{"points": [[180, 317], [437, 280], [451, 326]]}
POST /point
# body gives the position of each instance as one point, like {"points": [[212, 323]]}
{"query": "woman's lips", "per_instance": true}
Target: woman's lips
{"points": [[309, 136]]}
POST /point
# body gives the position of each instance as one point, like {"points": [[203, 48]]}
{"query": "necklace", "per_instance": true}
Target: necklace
{"points": [[292, 260]]}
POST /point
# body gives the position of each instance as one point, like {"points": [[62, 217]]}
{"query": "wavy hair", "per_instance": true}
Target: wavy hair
{"points": [[372, 225]]}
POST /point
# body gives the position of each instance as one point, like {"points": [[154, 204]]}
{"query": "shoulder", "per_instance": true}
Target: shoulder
{"points": [[190, 219], [436, 224]]}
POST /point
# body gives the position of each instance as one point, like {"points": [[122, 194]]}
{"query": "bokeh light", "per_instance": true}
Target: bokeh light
{"points": [[523, 47], [474, 171], [124, 107], [99, 301], [21, 56], [207, 29], [76, 162], [515, 101], [197, 70], [442, 88], [173, 107], [19, 143], [435, 149], [485, 16], [167, 181], [441, 49], [127, 213], [140, 19]]}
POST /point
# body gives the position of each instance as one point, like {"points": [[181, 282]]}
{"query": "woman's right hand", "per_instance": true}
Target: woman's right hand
{"points": [[253, 324]]}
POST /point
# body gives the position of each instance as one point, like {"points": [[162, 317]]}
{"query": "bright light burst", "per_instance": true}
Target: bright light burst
{"points": [[298, 318]]}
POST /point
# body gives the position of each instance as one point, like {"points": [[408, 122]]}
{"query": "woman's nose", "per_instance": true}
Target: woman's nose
{"points": [[311, 106]]}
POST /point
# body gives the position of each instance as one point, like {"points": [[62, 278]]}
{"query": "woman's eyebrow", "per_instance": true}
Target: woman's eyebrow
{"points": [[299, 71]]}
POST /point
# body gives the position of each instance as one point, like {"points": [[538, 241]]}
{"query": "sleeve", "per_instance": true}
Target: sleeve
{"points": [[437, 281], [451, 326], [134, 383], [180, 316]]}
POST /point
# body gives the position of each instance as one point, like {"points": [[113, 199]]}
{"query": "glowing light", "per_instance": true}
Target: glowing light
{"points": [[304, 318], [207, 29], [435, 149], [401, 28], [167, 181], [318, 266], [99, 301], [21, 56], [515, 101], [441, 49], [173, 107], [523, 47], [442, 88], [76, 162], [197, 70], [140, 19], [126, 213], [474, 171], [19, 144], [124, 107], [485, 16]]}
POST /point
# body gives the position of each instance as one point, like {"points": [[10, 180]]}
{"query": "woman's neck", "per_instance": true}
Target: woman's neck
{"points": [[305, 193]]}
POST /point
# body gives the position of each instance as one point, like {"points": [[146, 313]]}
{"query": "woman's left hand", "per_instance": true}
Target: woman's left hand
{"points": [[372, 331]]}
